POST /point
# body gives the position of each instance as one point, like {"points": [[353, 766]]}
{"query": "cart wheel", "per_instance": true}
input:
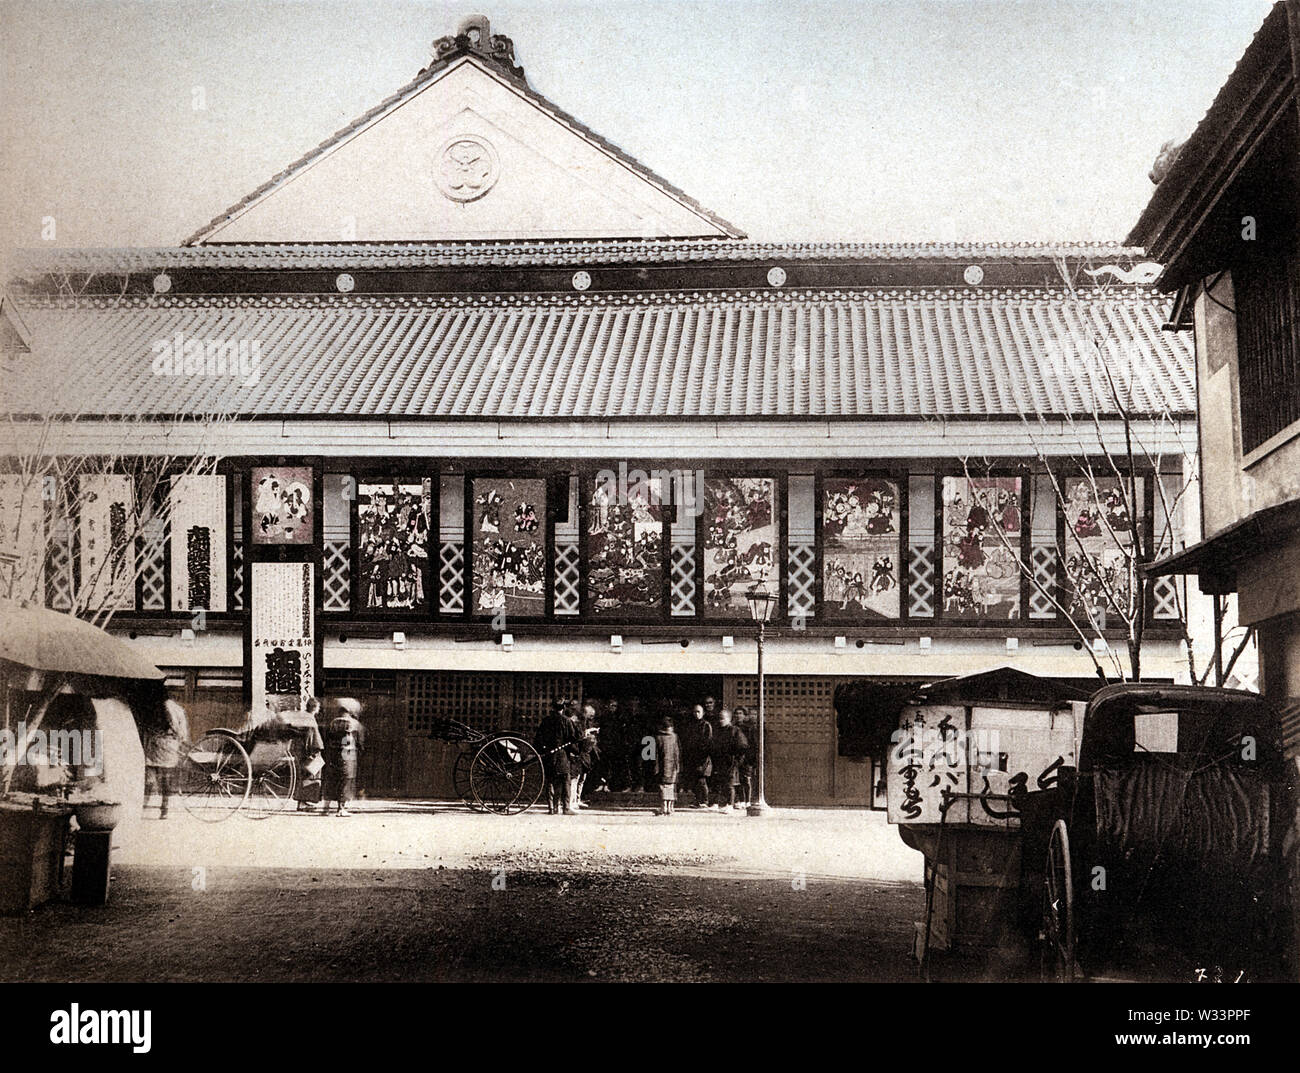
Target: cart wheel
{"points": [[274, 788], [506, 775], [460, 778], [1058, 941], [214, 777]]}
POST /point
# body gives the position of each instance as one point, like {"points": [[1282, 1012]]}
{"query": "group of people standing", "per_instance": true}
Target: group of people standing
{"points": [[712, 752]]}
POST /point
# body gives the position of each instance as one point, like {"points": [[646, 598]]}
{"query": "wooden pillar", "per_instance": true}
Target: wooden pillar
{"points": [[1218, 639]]}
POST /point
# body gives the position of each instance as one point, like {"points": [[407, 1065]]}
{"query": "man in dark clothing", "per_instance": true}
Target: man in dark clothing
{"points": [[748, 726], [613, 748], [556, 738], [729, 748], [697, 760]]}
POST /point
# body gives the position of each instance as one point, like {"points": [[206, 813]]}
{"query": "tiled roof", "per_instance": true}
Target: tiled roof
{"points": [[517, 254], [697, 355], [413, 87]]}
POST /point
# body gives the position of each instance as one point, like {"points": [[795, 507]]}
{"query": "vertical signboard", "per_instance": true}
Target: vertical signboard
{"points": [[283, 635], [197, 517]]}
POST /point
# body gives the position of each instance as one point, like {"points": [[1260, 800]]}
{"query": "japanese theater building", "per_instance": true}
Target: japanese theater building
{"points": [[1225, 222], [509, 418]]}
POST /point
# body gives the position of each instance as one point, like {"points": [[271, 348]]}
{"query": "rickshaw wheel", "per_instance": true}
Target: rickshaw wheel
{"points": [[460, 778], [1058, 939], [214, 777], [274, 788], [506, 775]]}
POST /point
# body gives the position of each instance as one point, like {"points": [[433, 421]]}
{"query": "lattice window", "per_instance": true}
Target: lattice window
{"points": [[920, 568], [535, 694], [1164, 595], [682, 580], [795, 707], [338, 576], [349, 681], [467, 697], [237, 582], [802, 578], [58, 570], [566, 579], [1043, 560], [451, 577], [1247, 678], [1267, 295], [153, 585]]}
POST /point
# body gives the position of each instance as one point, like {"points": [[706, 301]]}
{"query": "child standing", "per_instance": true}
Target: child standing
{"points": [[668, 762]]}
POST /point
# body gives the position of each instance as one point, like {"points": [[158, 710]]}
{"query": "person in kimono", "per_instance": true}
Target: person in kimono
{"points": [[697, 759], [729, 748], [162, 754], [345, 740], [668, 764]]}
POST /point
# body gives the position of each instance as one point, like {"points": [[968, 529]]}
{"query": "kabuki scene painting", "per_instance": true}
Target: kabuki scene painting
{"points": [[509, 546], [625, 550], [1097, 540], [282, 505], [981, 547], [739, 542], [860, 548], [393, 539]]}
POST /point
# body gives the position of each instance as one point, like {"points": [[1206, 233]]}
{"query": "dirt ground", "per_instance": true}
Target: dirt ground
{"points": [[399, 893]]}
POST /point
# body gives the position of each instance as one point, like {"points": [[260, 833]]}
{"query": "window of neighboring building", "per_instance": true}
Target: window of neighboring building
{"points": [[1267, 295]]}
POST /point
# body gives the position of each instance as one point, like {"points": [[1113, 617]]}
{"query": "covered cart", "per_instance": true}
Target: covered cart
{"points": [[1169, 850], [1149, 833], [965, 753]]}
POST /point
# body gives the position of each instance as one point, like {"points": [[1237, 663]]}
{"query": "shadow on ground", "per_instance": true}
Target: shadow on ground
{"points": [[454, 924]]}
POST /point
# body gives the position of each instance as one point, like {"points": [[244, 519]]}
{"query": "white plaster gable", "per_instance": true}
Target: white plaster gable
{"points": [[524, 173]]}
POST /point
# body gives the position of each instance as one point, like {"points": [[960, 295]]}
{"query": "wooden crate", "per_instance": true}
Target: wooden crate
{"points": [[31, 857]]}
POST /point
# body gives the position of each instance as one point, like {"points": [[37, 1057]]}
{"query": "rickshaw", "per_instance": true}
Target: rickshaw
{"points": [[261, 767], [493, 772], [1164, 853]]}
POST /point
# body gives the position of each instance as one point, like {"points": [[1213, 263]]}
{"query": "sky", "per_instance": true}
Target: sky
{"points": [[975, 120]]}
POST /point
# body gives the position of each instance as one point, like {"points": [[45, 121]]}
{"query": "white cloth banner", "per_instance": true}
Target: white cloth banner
{"points": [[106, 539], [197, 517], [22, 536]]}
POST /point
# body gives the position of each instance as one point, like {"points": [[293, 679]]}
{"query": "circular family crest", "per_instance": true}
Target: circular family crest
{"points": [[468, 168]]}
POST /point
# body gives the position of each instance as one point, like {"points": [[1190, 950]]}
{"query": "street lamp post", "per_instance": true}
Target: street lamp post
{"points": [[760, 607]]}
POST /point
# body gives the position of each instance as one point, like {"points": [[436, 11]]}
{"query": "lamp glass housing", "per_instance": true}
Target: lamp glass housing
{"points": [[760, 603]]}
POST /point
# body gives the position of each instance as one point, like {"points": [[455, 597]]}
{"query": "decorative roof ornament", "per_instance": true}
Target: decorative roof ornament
{"points": [[1165, 160], [474, 35], [1139, 275]]}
